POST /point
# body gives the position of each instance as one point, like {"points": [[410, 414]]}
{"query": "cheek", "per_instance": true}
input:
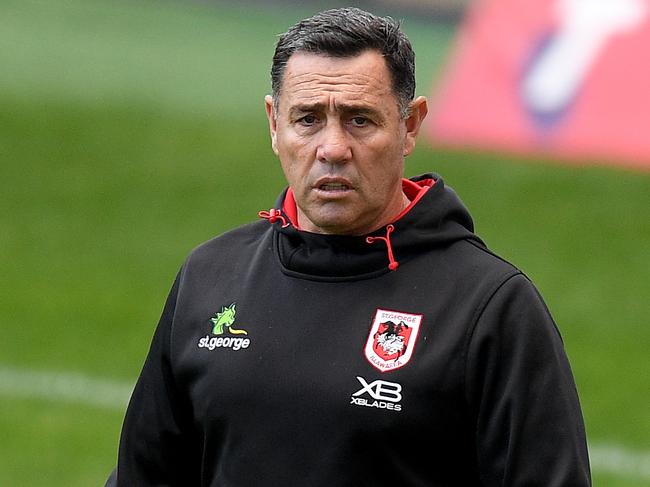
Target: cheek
{"points": [[384, 162], [295, 155], [295, 172], [286, 142], [386, 144]]}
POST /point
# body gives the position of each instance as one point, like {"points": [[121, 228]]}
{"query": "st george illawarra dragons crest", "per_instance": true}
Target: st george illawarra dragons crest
{"points": [[392, 338]]}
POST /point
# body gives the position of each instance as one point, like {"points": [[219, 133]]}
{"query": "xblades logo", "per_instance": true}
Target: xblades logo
{"points": [[380, 389], [385, 395]]}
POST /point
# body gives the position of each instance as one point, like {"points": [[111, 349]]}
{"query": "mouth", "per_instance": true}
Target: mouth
{"points": [[333, 185]]}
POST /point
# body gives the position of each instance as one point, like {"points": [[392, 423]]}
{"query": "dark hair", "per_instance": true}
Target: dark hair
{"points": [[346, 32]]}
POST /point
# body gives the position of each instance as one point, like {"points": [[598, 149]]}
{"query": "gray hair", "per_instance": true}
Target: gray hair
{"points": [[346, 32]]}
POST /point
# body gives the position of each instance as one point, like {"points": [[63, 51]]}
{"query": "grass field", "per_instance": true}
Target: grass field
{"points": [[132, 131]]}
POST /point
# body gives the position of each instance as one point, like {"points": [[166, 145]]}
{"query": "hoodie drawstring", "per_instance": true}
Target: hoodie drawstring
{"points": [[273, 216], [392, 263]]}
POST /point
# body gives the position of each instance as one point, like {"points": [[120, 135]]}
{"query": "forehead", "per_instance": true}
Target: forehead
{"points": [[319, 79]]}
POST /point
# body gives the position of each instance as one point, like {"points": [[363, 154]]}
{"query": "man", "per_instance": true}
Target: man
{"points": [[360, 334]]}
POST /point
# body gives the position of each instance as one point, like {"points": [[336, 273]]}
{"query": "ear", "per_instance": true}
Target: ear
{"points": [[418, 110], [273, 124]]}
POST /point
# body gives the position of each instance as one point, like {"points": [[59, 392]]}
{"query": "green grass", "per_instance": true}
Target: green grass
{"points": [[55, 444], [131, 132]]}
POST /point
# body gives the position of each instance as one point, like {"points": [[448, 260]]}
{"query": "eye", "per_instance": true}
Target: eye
{"points": [[308, 120], [360, 121]]}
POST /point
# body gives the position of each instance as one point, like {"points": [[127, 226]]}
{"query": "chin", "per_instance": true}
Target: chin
{"points": [[333, 225]]}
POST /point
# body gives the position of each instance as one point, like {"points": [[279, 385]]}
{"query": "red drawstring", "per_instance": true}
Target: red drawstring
{"points": [[273, 216], [392, 263]]}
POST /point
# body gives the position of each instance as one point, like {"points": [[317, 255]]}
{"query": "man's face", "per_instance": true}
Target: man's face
{"points": [[342, 142]]}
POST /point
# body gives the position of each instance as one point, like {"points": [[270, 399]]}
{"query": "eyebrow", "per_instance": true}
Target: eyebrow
{"points": [[342, 107]]}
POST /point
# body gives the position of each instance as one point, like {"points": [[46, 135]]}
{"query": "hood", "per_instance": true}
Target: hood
{"points": [[435, 218]]}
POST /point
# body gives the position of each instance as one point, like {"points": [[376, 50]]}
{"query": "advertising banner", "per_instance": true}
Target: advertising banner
{"points": [[565, 78]]}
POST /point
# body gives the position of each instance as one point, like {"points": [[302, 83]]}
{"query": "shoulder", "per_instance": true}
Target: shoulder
{"points": [[505, 280], [474, 267], [229, 245]]}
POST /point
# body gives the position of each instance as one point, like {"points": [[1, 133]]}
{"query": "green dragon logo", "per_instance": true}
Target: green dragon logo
{"points": [[226, 317]]}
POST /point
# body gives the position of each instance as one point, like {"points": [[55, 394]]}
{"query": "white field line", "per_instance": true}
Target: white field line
{"points": [[110, 394], [620, 460], [67, 387]]}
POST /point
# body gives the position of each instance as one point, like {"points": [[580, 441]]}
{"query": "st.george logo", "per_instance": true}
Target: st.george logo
{"points": [[222, 321], [226, 318]]}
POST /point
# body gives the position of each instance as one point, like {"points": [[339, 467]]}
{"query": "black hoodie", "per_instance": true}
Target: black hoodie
{"points": [[409, 357]]}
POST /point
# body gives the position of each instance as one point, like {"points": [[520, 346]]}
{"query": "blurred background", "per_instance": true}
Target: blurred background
{"points": [[132, 131]]}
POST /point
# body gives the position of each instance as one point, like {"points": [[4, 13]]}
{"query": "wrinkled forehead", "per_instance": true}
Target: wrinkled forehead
{"points": [[328, 80]]}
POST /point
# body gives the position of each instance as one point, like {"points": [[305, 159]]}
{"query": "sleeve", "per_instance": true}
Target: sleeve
{"points": [[522, 395], [112, 479], [156, 444]]}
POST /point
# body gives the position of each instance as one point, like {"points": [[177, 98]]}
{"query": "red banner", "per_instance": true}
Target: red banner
{"points": [[567, 78]]}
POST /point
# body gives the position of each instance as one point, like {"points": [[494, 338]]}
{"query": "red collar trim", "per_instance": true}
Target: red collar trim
{"points": [[414, 191], [290, 209]]}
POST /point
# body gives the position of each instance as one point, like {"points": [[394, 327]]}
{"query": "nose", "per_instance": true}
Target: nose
{"points": [[334, 145]]}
